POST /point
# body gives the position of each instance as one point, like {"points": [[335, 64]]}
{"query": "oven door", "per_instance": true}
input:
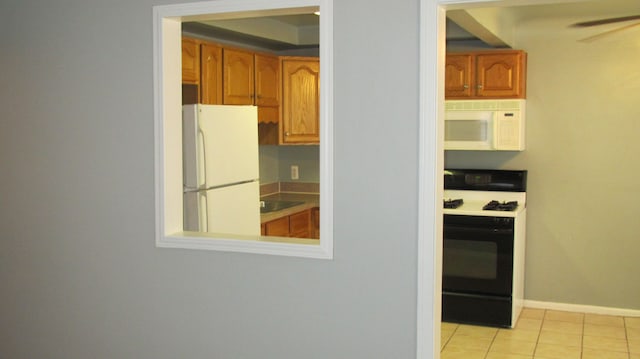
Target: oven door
{"points": [[478, 255]]}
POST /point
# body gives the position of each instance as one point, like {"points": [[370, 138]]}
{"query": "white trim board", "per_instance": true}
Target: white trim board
{"points": [[168, 139], [591, 309], [430, 182], [431, 153]]}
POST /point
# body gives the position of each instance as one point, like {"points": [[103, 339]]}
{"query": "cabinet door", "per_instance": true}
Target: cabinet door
{"points": [[190, 61], [300, 100], [238, 77], [501, 75], [266, 80], [458, 80], [315, 221], [211, 74], [278, 227], [300, 224]]}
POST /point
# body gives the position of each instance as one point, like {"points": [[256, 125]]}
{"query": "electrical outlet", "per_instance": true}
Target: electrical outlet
{"points": [[294, 172]]}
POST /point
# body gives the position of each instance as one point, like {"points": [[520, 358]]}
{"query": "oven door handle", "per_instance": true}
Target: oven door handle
{"points": [[474, 231]]}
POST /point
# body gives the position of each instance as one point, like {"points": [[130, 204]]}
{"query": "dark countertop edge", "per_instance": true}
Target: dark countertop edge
{"points": [[310, 200]]}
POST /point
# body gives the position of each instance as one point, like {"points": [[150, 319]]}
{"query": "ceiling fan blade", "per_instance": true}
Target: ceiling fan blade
{"points": [[605, 21], [607, 33]]}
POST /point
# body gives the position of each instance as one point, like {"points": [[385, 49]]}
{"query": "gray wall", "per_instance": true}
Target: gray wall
{"points": [[276, 162], [307, 158], [269, 159], [582, 134], [81, 277]]}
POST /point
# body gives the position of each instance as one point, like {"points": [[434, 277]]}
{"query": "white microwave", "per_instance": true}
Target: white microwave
{"points": [[484, 125]]}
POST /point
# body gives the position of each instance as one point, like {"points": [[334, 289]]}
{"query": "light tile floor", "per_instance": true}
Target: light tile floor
{"points": [[546, 334]]}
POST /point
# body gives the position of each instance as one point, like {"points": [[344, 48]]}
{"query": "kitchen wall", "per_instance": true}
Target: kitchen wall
{"points": [[307, 158], [81, 276], [582, 144], [276, 162], [269, 159]]}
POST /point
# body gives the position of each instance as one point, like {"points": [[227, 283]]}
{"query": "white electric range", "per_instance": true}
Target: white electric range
{"points": [[484, 241]]}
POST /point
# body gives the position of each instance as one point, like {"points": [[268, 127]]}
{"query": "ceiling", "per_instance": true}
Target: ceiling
{"points": [[589, 10], [298, 20], [468, 23], [302, 30], [282, 32]]}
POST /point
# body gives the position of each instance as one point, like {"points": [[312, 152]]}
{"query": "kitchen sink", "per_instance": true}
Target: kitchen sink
{"points": [[273, 205]]}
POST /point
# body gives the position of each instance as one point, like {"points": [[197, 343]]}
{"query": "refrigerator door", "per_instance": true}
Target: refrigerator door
{"points": [[226, 210], [220, 145]]}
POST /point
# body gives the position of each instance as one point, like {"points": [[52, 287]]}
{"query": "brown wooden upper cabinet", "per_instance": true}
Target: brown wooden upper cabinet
{"points": [[237, 66], [486, 74], [201, 72], [267, 75], [190, 61], [218, 75], [285, 89], [267, 78], [300, 100], [211, 74], [252, 79]]}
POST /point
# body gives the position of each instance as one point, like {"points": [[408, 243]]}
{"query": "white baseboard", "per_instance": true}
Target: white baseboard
{"points": [[567, 307]]}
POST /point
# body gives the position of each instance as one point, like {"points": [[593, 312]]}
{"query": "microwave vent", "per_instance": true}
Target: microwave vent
{"points": [[484, 105]]}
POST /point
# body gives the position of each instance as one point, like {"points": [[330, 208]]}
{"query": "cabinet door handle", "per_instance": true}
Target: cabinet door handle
{"points": [[479, 86], [286, 133], [465, 86]]}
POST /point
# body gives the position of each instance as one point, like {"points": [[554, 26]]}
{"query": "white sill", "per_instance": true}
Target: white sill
{"points": [[284, 246]]}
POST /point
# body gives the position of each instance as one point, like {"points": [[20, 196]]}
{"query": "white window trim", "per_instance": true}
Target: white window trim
{"points": [[168, 141]]}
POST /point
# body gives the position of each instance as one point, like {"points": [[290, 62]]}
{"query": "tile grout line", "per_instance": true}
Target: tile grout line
{"points": [[584, 327], [490, 344], [626, 337], [535, 349], [450, 337]]}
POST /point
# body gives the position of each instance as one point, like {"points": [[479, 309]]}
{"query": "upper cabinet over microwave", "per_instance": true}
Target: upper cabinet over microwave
{"points": [[492, 74]]}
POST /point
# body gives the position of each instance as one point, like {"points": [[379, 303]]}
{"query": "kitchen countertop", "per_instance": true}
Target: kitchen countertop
{"points": [[310, 201]]}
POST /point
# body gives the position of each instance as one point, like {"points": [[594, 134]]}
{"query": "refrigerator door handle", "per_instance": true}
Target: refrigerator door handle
{"points": [[203, 215], [203, 155], [203, 188]]}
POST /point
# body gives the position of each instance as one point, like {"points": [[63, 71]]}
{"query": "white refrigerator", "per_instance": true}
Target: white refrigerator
{"points": [[220, 169]]}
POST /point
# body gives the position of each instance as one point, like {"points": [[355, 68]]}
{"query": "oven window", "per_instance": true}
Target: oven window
{"points": [[470, 259]]}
